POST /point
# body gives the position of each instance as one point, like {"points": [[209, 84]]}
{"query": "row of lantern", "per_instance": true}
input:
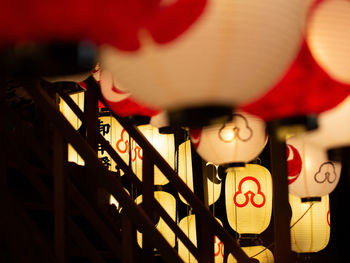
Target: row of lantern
{"points": [[248, 191]]}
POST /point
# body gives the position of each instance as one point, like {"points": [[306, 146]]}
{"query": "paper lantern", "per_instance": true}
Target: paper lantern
{"points": [[206, 59], [188, 226], [168, 202], [238, 141], [248, 194], [118, 138], [310, 224], [329, 37], [284, 100], [163, 143], [310, 173], [185, 172], [73, 119], [119, 100], [260, 253]]}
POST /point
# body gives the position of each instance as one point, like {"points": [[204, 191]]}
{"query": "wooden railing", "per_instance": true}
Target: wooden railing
{"points": [[100, 177]]}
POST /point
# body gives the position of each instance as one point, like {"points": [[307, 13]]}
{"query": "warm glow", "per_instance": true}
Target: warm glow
{"points": [[312, 232], [168, 202], [264, 257], [78, 98], [215, 59], [249, 198], [188, 226], [240, 140], [315, 175], [163, 143], [186, 173]]}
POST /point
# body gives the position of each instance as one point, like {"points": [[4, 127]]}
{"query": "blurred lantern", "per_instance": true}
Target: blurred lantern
{"points": [[284, 100], [73, 119], [260, 253], [237, 37], [310, 224], [185, 172], [118, 138], [238, 141], [163, 143], [329, 37], [188, 226], [160, 120], [248, 193], [118, 100], [168, 202], [310, 173]]}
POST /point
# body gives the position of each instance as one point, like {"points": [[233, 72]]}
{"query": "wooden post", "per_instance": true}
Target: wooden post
{"points": [[205, 237]]}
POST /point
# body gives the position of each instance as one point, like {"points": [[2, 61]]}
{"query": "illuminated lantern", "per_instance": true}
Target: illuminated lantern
{"points": [[168, 202], [260, 253], [248, 198], [237, 37], [329, 37], [163, 143], [120, 101], [73, 119], [310, 224], [185, 172], [238, 141], [118, 138], [188, 226], [310, 173]]}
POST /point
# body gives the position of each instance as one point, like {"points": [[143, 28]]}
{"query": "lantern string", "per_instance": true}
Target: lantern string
{"points": [[272, 244]]}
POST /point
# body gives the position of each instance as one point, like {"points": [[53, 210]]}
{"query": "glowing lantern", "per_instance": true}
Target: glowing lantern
{"points": [[168, 202], [248, 198], [237, 37], [257, 252], [73, 119], [188, 226], [329, 37], [310, 173], [118, 138], [186, 173], [238, 141], [163, 143], [120, 101], [310, 224]]}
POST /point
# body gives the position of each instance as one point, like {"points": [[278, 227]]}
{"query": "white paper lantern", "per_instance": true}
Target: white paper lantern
{"points": [[265, 256], [168, 202], [248, 195], [188, 226], [73, 119], [234, 52], [328, 36], [185, 172], [312, 232], [238, 141], [163, 143], [310, 173]]}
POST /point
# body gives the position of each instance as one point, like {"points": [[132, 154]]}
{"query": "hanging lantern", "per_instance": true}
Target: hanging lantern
{"points": [[185, 172], [238, 141], [248, 198], [310, 224], [237, 37], [118, 138], [284, 100], [260, 253], [168, 202], [120, 101], [73, 119], [188, 226], [163, 143], [329, 37], [310, 173]]}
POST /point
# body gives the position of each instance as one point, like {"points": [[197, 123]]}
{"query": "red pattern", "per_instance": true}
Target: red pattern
{"points": [[249, 195], [196, 137], [294, 165]]}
